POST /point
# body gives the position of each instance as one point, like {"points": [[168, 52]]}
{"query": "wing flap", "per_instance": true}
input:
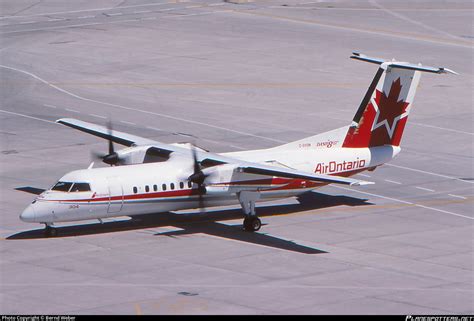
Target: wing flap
{"points": [[290, 173]]}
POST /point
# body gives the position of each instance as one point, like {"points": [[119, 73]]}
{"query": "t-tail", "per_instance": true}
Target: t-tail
{"points": [[383, 112]]}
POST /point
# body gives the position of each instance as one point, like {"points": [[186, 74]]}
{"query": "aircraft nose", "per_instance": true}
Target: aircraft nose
{"points": [[28, 214]]}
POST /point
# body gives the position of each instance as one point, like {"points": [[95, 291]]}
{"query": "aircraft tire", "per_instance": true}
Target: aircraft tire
{"points": [[252, 224]]}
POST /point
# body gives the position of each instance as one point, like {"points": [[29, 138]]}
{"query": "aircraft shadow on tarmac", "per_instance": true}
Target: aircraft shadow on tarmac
{"points": [[207, 223]]}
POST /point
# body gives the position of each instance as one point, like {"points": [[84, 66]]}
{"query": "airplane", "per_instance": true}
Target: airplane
{"points": [[151, 177]]}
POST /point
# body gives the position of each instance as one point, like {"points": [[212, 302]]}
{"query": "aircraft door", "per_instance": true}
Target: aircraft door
{"points": [[115, 195]]}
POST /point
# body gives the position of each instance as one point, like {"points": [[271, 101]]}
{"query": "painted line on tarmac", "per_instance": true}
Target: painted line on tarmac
{"points": [[27, 116], [425, 189], [50, 106], [393, 182], [141, 110], [458, 196], [443, 128], [406, 202], [429, 173], [98, 116], [127, 122]]}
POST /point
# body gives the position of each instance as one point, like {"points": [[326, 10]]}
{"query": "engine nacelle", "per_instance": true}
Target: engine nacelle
{"points": [[141, 154]]}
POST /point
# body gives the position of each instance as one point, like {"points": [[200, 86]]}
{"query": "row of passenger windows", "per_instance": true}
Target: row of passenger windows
{"points": [[164, 187]]}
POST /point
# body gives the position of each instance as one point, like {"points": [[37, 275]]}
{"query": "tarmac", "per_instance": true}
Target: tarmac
{"points": [[231, 77]]}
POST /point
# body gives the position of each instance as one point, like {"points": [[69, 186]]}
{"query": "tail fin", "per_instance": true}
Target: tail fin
{"points": [[383, 113]]}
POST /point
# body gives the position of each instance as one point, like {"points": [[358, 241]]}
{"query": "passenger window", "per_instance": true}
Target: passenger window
{"points": [[80, 187], [147, 188], [163, 187], [62, 186], [172, 185], [181, 185], [135, 190], [190, 185], [155, 188]]}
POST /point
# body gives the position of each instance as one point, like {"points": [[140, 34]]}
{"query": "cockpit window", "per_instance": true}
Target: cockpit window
{"points": [[80, 187], [62, 186]]}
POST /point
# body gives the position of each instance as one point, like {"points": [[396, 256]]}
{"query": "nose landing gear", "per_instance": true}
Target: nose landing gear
{"points": [[50, 230]]}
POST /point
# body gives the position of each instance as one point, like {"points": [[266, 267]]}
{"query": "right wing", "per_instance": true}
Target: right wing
{"points": [[103, 132]]}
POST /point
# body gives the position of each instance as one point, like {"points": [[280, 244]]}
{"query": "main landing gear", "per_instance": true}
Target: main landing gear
{"points": [[50, 230], [247, 200]]}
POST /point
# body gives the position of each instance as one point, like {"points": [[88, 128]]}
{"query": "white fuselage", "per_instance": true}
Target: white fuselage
{"points": [[161, 187]]}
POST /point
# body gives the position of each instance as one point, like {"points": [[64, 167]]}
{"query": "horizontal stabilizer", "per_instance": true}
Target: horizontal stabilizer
{"points": [[401, 65]]}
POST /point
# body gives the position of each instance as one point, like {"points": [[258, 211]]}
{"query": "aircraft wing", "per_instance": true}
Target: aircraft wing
{"points": [[261, 169], [270, 170], [114, 135]]}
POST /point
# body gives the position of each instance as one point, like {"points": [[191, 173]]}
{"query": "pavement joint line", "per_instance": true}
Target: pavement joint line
{"points": [[458, 196], [87, 10], [73, 110], [142, 11], [27, 22], [109, 22], [114, 14], [200, 285], [50, 106], [425, 189], [85, 17], [384, 33], [407, 19], [199, 14], [405, 202]]}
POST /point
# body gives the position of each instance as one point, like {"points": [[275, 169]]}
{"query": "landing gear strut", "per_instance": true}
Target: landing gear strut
{"points": [[247, 200], [50, 230]]}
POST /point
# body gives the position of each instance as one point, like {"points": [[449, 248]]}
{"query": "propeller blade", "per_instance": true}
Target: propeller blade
{"points": [[198, 177], [112, 157], [111, 144]]}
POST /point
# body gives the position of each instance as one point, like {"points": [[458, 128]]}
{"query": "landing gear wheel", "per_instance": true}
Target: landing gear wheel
{"points": [[252, 224], [50, 231]]}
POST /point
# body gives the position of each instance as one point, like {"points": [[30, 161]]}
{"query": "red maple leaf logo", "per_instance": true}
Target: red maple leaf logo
{"points": [[390, 109]]}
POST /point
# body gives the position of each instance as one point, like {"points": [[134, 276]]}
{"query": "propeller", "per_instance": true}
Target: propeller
{"points": [[112, 157], [198, 177]]}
